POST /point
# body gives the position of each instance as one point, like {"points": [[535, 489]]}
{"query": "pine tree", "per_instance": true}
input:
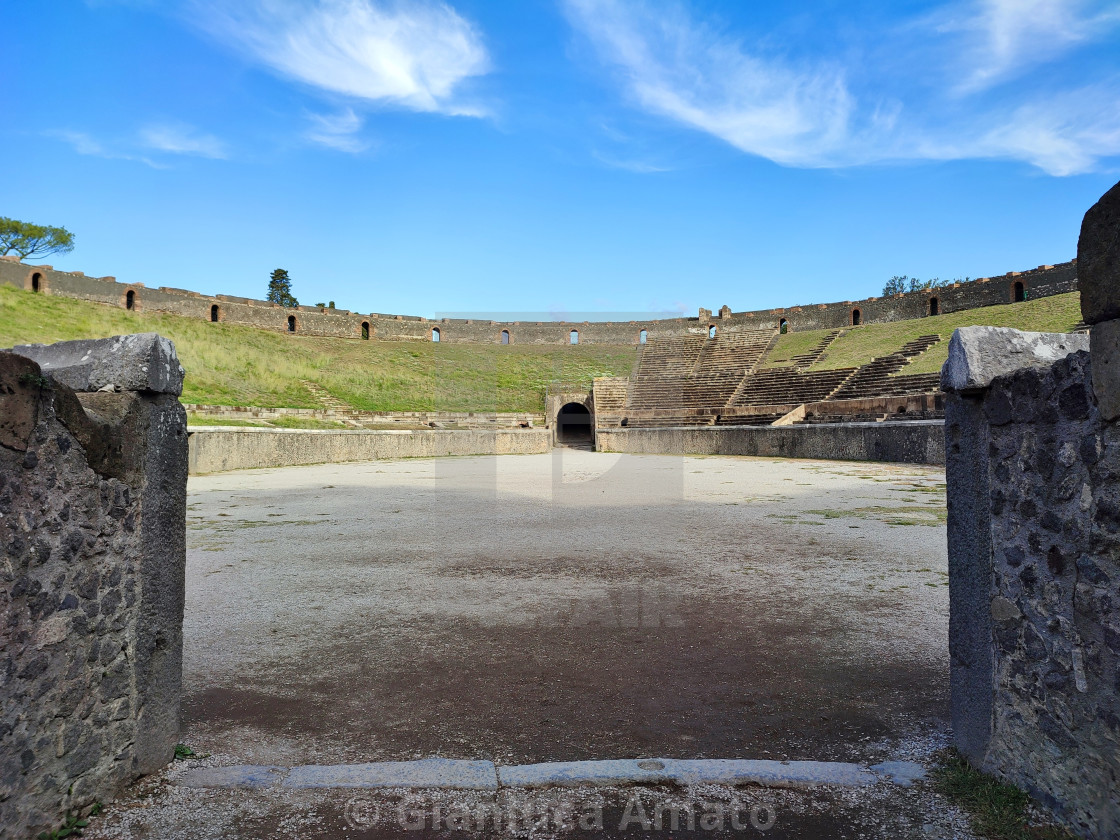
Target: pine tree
{"points": [[280, 289]]}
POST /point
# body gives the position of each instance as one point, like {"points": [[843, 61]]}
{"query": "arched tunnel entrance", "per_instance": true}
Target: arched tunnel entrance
{"points": [[573, 424]]}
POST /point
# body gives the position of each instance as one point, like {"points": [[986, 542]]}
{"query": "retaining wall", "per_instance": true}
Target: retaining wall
{"points": [[222, 449], [93, 530], [919, 442], [310, 320]]}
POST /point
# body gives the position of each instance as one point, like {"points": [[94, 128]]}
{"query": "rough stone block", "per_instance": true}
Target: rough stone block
{"points": [[1104, 343], [1098, 259], [19, 400], [141, 362], [977, 355]]}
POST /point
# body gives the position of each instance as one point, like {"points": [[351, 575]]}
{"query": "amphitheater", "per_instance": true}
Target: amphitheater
{"points": [[794, 366], [697, 566]]}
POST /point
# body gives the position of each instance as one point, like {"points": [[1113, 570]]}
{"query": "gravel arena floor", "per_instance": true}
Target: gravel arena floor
{"points": [[575, 605]]}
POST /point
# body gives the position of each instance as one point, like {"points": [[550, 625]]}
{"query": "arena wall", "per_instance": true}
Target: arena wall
{"points": [[222, 449], [918, 442], [340, 323], [92, 521]]}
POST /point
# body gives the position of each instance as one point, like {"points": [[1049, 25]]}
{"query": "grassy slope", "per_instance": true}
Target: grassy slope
{"points": [[860, 345], [231, 365]]}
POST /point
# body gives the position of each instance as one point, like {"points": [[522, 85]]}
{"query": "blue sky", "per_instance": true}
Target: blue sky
{"points": [[558, 155]]}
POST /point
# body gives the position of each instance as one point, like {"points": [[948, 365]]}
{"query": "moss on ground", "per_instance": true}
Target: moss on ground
{"points": [[997, 810]]}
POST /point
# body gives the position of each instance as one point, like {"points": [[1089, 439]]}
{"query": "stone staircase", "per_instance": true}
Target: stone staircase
{"points": [[786, 386], [876, 378], [340, 411], [670, 358], [610, 394], [806, 360]]}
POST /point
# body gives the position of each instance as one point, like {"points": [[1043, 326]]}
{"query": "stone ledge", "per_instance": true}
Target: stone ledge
{"points": [[977, 355], [141, 362], [448, 774]]}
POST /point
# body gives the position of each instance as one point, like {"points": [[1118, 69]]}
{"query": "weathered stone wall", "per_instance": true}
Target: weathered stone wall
{"points": [[222, 449], [919, 442], [310, 320], [92, 530], [1032, 426], [1034, 545]]}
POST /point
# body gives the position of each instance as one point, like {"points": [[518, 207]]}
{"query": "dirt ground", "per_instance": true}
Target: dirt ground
{"points": [[557, 607]]}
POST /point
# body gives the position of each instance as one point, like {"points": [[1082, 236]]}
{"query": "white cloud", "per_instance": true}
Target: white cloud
{"points": [[1001, 38], [181, 139], [683, 70], [84, 144], [895, 107], [414, 55], [337, 131], [1063, 137]]}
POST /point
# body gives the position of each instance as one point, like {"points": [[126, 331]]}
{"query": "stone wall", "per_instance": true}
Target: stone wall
{"points": [[92, 528], [1033, 470], [1034, 543], [919, 442], [341, 323], [222, 449]]}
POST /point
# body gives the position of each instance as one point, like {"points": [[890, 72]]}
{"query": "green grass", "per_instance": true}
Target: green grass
{"points": [[194, 419], [859, 345], [997, 811], [234, 365], [793, 344]]}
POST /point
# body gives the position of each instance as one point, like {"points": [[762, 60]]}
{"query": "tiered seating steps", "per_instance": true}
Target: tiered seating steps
{"points": [[875, 378], [782, 386], [806, 360]]}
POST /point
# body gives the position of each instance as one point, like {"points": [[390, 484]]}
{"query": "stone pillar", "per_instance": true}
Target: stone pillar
{"points": [[970, 573], [977, 355], [93, 472], [1098, 278]]}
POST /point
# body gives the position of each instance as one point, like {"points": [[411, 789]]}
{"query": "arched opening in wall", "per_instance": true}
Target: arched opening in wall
{"points": [[505, 336], [130, 300], [365, 330], [573, 337], [1018, 292], [36, 282], [643, 336], [291, 323], [857, 317], [215, 313], [435, 334], [573, 424], [783, 326], [934, 306]]}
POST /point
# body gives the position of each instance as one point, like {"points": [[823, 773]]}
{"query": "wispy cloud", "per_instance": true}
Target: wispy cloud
{"points": [[840, 111], [84, 144], [687, 71], [642, 167], [180, 139], [413, 55], [338, 131], [157, 141], [1000, 38]]}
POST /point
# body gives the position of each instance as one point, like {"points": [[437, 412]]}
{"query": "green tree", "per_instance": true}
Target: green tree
{"points": [[280, 289], [27, 240]]}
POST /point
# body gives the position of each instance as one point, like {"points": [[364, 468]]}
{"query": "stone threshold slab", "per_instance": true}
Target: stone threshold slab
{"points": [[448, 774]]}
